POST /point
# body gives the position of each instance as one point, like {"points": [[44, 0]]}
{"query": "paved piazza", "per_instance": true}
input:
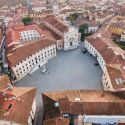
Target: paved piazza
{"points": [[68, 70]]}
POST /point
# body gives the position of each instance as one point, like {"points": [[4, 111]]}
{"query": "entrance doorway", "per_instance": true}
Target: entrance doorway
{"points": [[70, 43]]}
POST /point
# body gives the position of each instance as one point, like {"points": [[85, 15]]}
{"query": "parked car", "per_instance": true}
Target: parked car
{"points": [[96, 63], [84, 50]]}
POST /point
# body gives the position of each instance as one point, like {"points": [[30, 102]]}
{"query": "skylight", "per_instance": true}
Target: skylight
{"points": [[119, 81], [56, 104]]}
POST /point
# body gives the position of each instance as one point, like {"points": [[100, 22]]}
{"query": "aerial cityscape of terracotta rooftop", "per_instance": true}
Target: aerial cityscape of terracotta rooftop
{"points": [[62, 62]]}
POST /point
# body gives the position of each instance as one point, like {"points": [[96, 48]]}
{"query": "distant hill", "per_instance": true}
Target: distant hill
{"points": [[12, 2]]}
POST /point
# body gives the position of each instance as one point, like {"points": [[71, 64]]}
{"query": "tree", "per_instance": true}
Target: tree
{"points": [[27, 20], [73, 17], [71, 120], [83, 30]]}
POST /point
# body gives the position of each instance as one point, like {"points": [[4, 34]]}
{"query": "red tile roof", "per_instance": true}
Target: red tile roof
{"points": [[22, 52], [112, 55], [118, 25], [57, 121], [89, 102], [22, 9], [19, 112], [115, 72], [13, 33], [57, 24], [106, 51], [4, 81], [49, 33]]}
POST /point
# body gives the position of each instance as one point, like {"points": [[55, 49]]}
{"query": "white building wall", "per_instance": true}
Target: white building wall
{"points": [[29, 35], [32, 113], [105, 79], [71, 39], [39, 9], [30, 120], [27, 65], [96, 54], [92, 29], [6, 20], [104, 119], [5, 122], [59, 44], [55, 9], [122, 38]]}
